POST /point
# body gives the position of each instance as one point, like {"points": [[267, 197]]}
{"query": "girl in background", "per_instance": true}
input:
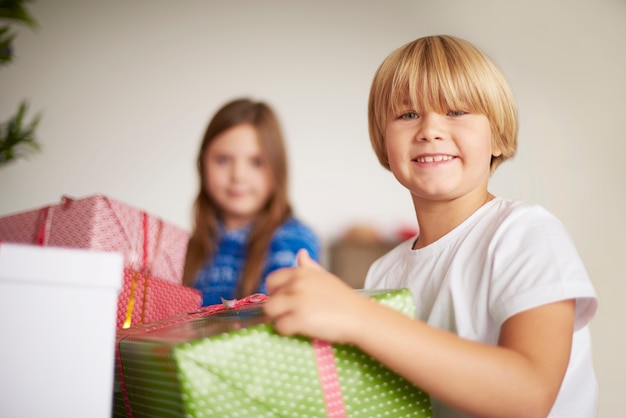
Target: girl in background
{"points": [[244, 227]]}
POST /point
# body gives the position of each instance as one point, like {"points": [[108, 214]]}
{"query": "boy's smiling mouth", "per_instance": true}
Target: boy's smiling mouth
{"points": [[432, 158]]}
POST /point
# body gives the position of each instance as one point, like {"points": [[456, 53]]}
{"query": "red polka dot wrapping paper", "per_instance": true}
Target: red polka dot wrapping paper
{"points": [[233, 364], [145, 299], [98, 222]]}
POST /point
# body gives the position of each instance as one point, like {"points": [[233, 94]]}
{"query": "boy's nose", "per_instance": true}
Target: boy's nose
{"points": [[430, 127]]}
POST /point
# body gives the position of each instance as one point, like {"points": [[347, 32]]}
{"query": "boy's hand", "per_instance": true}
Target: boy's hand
{"points": [[308, 300]]}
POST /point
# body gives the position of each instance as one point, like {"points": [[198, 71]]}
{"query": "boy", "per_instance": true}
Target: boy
{"points": [[503, 299]]}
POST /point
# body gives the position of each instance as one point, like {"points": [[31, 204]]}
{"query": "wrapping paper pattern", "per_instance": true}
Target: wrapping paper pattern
{"points": [[233, 364], [98, 222], [145, 299]]}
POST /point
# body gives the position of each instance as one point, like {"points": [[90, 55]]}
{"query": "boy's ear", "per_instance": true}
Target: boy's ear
{"points": [[496, 140], [495, 149]]}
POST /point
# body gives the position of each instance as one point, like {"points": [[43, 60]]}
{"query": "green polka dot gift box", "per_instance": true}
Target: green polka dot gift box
{"points": [[229, 362]]}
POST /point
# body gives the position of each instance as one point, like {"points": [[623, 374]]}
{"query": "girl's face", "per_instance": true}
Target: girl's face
{"points": [[440, 157], [237, 175]]}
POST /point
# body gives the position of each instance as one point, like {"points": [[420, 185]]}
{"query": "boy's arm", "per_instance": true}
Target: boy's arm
{"points": [[519, 377]]}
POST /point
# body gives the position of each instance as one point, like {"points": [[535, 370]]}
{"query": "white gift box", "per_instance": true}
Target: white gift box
{"points": [[57, 321]]}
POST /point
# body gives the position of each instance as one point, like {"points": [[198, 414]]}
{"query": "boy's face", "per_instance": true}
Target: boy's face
{"points": [[438, 156]]}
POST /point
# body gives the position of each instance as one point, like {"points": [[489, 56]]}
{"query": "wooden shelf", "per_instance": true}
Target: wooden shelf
{"points": [[351, 260]]}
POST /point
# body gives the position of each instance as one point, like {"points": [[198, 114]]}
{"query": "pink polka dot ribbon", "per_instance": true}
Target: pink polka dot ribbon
{"points": [[327, 368]]}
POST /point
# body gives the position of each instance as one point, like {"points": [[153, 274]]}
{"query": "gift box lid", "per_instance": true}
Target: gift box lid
{"points": [[59, 266]]}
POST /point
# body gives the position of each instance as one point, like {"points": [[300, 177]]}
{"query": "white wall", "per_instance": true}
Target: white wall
{"points": [[127, 88]]}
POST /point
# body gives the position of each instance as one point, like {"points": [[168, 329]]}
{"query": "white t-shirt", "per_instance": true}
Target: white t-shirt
{"points": [[507, 257]]}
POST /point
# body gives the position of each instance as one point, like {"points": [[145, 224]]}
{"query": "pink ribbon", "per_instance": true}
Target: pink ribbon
{"points": [[42, 233], [329, 378]]}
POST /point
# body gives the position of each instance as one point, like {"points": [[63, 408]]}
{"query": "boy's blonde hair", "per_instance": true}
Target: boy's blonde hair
{"points": [[442, 73]]}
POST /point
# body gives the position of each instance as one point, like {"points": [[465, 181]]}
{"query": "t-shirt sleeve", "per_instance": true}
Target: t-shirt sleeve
{"points": [[534, 263]]}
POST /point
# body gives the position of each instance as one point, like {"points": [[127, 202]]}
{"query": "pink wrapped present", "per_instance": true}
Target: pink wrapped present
{"points": [[145, 299], [98, 222]]}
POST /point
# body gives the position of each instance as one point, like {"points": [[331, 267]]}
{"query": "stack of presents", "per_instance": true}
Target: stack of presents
{"points": [[174, 358]]}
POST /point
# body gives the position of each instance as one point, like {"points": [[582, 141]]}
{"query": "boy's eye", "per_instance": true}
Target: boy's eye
{"points": [[409, 115], [456, 113]]}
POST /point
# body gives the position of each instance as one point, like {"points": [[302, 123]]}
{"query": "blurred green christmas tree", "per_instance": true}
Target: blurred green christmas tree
{"points": [[17, 137]]}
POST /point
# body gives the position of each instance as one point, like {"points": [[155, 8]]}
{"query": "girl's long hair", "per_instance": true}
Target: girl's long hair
{"points": [[205, 233]]}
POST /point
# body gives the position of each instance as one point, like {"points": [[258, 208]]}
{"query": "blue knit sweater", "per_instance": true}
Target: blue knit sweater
{"points": [[220, 276]]}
